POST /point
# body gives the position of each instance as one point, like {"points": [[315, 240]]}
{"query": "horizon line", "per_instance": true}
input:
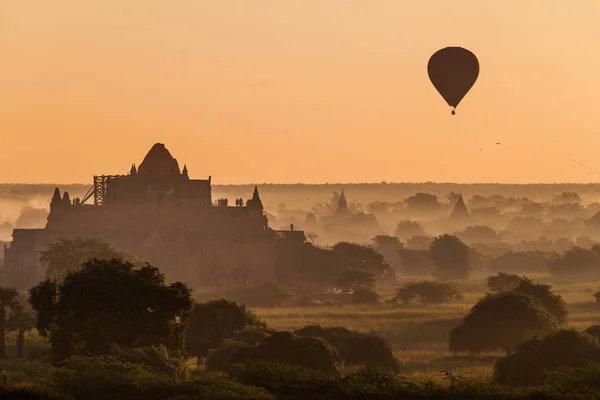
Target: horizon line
{"points": [[335, 183]]}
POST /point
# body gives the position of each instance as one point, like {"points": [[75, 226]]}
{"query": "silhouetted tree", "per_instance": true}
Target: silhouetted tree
{"points": [[361, 257], [522, 262], [504, 282], [423, 202], [111, 302], [416, 262], [21, 319], [407, 229], [576, 264], [451, 257]]}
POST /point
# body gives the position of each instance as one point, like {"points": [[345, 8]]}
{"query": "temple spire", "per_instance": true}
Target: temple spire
{"points": [[133, 170], [56, 198], [66, 199], [184, 172], [255, 201], [342, 203]]}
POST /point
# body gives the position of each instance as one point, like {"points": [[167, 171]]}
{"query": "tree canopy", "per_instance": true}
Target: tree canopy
{"points": [[111, 302]]}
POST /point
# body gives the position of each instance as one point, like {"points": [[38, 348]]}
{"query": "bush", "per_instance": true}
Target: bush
{"points": [[285, 347], [533, 360], [501, 321], [427, 292], [356, 348], [503, 282], [215, 321]]}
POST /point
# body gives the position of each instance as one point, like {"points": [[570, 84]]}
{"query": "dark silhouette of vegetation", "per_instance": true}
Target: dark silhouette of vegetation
{"points": [[427, 292], [356, 348], [594, 331], [20, 320], [423, 203], [354, 279], [504, 282], [111, 302], [576, 264], [534, 359], [364, 295], [285, 347], [479, 234], [553, 303], [407, 229], [501, 321], [361, 258], [451, 258], [213, 322]]}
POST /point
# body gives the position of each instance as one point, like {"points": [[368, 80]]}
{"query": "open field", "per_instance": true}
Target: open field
{"points": [[419, 334]]}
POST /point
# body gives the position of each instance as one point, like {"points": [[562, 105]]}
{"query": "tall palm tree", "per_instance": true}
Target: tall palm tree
{"points": [[8, 298]]}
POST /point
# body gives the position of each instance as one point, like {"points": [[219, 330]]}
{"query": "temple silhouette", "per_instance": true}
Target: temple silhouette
{"points": [[160, 214]]}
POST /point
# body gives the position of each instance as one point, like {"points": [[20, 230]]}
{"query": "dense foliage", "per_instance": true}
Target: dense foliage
{"points": [[356, 348], [451, 258], [111, 302], [534, 359], [501, 321]]}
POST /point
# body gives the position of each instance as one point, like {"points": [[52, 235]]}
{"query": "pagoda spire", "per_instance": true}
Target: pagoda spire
{"points": [[256, 201], [184, 172], [56, 198], [342, 203]]}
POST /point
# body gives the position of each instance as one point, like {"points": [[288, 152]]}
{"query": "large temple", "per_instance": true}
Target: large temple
{"points": [[161, 215]]}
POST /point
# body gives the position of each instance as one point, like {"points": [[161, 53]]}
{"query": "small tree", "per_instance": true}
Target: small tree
{"points": [[354, 279], [451, 257], [111, 302], [501, 321], [427, 292]]}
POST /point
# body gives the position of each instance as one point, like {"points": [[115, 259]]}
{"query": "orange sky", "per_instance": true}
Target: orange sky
{"points": [[298, 91]]}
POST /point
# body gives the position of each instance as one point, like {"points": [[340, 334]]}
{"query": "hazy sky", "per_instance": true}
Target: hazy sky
{"points": [[298, 91]]}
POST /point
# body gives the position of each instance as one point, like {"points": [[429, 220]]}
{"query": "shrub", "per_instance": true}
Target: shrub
{"points": [[451, 257], [214, 321], [531, 362], [501, 321], [285, 347], [356, 348], [503, 282], [427, 292]]}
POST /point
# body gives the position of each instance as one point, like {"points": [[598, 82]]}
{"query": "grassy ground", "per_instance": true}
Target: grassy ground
{"points": [[419, 334]]}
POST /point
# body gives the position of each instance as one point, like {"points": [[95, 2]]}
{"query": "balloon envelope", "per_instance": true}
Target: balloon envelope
{"points": [[453, 71]]}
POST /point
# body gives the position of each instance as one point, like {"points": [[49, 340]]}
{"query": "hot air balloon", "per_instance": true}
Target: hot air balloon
{"points": [[453, 71]]}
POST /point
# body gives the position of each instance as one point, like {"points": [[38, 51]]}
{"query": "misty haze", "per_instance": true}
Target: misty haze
{"points": [[288, 200]]}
